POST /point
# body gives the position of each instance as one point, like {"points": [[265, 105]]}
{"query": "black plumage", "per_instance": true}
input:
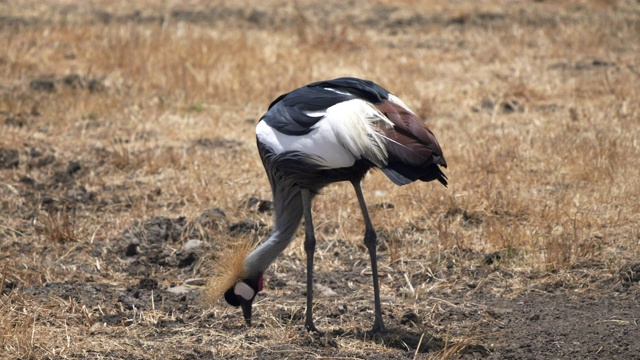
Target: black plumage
{"points": [[326, 132]]}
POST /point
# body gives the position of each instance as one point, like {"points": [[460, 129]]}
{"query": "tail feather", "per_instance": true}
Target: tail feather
{"points": [[403, 174], [396, 177], [413, 151]]}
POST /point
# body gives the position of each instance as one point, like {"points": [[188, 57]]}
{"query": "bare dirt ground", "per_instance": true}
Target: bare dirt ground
{"points": [[128, 166]]}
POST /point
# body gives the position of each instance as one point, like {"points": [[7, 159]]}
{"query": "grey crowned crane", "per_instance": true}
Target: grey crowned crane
{"points": [[326, 132]]}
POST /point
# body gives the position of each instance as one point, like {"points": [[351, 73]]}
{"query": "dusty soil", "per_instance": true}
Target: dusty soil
{"points": [[584, 313], [582, 316], [85, 273]]}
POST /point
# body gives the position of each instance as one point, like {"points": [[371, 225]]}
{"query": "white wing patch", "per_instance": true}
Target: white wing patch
{"points": [[396, 100], [345, 134], [352, 123]]}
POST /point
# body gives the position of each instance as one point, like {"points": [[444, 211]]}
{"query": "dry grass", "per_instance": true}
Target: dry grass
{"points": [[536, 106]]}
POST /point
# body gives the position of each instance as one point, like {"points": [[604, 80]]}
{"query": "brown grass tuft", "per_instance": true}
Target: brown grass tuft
{"points": [[59, 228]]}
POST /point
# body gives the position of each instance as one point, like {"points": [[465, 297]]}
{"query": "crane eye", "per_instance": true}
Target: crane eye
{"points": [[244, 290]]}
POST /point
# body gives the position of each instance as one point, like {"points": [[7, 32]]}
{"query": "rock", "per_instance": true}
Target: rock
{"points": [[34, 153], [43, 84], [213, 219], [245, 227], [73, 81], [7, 287], [410, 317], [188, 255], [511, 106], [148, 283], [9, 158], [96, 85], [630, 273], [487, 104], [27, 180], [325, 290], [132, 249], [73, 167], [187, 259], [157, 230], [47, 160], [80, 194], [259, 205], [383, 205], [492, 258], [192, 244], [179, 290], [18, 120]]}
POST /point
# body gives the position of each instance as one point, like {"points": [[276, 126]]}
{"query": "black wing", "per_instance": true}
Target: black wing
{"points": [[296, 112], [363, 89]]}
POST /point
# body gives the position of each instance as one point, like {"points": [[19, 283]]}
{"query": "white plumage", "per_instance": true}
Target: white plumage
{"points": [[327, 132], [347, 132]]}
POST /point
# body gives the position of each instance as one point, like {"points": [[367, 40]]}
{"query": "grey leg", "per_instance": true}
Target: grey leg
{"points": [[309, 248], [370, 241]]}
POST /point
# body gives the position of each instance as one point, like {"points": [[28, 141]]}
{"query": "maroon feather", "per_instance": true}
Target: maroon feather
{"points": [[412, 142]]}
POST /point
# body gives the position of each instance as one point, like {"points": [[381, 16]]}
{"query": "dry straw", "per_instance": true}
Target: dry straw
{"points": [[535, 104]]}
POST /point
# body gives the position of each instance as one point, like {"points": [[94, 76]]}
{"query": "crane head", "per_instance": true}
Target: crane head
{"points": [[242, 294], [231, 278]]}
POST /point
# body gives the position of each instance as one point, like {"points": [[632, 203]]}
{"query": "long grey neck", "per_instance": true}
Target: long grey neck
{"points": [[288, 212]]}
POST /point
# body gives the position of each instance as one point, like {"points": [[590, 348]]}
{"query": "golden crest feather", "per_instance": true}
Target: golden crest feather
{"points": [[228, 270]]}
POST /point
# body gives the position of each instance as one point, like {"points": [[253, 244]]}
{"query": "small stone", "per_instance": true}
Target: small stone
{"points": [[35, 152], [192, 244], [179, 290], [74, 81], [259, 205], [27, 180], [132, 249], [410, 317], [8, 287], [148, 283], [379, 193], [265, 206], [96, 327], [492, 258], [73, 167], [80, 194], [96, 85], [9, 158], [49, 159], [511, 106], [43, 84], [245, 227], [487, 104], [214, 219], [630, 273], [384, 205], [187, 259], [18, 120], [325, 290]]}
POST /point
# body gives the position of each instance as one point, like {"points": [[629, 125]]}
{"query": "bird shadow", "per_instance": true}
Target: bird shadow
{"points": [[413, 341]]}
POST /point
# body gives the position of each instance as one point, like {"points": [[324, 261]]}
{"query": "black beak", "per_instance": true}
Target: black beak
{"points": [[246, 310]]}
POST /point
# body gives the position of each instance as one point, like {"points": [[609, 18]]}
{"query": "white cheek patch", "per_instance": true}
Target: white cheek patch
{"points": [[244, 290]]}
